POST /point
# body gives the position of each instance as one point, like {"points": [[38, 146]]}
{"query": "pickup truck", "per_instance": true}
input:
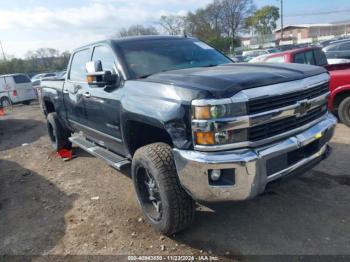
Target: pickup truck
{"points": [[192, 125], [339, 101]]}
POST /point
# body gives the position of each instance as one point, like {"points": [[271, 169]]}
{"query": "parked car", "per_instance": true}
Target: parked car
{"points": [[239, 58], [339, 49], [339, 101], [36, 79], [192, 125], [16, 88], [259, 52]]}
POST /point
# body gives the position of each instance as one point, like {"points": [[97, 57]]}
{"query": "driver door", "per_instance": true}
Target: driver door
{"points": [[103, 105]]}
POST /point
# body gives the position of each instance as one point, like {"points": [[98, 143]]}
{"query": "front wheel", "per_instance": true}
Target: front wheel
{"points": [[166, 205], [344, 111]]}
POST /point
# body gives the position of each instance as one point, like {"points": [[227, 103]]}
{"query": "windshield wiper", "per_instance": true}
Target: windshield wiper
{"points": [[210, 65], [145, 76]]}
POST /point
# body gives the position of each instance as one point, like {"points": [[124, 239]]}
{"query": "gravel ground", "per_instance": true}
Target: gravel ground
{"points": [[84, 207]]}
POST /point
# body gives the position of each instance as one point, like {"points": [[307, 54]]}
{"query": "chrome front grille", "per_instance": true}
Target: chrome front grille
{"points": [[259, 105], [284, 125]]}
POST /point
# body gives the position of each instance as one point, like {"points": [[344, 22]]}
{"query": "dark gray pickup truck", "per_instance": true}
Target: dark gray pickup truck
{"points": [[192, 125]]}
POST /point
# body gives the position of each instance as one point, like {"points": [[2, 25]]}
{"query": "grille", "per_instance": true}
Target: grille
{"points": [[264, 104], [281, 126]]}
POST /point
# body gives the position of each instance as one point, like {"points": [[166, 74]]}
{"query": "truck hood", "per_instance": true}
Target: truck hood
{"points": [[226, 80]]}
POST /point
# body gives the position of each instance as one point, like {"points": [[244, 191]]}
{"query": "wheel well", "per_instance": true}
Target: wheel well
{"points": [[141, 134], [339, 98], [49, 107]]}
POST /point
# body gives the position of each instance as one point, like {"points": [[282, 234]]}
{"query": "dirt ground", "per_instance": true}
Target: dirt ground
{"points": [[84, 207]]}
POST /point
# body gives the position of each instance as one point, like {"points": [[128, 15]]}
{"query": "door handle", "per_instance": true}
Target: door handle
{"points": [[87, 94]]}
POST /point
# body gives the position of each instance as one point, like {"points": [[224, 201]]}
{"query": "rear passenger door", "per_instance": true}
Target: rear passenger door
{"points": [[103, 104], [75, 88]]}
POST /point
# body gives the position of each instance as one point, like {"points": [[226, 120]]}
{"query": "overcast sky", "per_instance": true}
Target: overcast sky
{"points": [[30, 24]]}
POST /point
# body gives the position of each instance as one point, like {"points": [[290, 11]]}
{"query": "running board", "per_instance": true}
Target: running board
{"points": [[114, 160]]}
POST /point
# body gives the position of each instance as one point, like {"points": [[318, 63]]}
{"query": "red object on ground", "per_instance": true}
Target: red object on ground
{"points": [[2, 112], [65, 154]]}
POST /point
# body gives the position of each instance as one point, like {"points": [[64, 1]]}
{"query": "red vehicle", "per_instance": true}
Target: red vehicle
{"points": [[339, 101]]}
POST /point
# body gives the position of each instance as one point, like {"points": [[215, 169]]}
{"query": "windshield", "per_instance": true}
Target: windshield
{"points": [[147, 57]]}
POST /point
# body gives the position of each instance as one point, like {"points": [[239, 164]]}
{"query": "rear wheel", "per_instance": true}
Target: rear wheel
{"points": [[344, 111], [5, 102], [167, 207], [57, 133]]}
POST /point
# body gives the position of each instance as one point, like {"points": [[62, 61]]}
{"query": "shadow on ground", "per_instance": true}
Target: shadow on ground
{"points": [[32, 211], [12, 132], [307, 214]]}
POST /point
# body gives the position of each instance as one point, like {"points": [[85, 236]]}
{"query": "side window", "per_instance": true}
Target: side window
{"points": [[309, 58], [276, 59], [299, 58], [320, 57], [77, 68], [344, 46], [105, 54], [21, 79], [332, 48]]}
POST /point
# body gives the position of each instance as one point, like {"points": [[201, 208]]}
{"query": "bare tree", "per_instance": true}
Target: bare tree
{"points": [[136, 30], [173, 24], [234, 15]]}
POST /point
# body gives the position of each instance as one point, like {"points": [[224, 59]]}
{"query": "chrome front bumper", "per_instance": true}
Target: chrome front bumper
{"points": [[250, 165]]}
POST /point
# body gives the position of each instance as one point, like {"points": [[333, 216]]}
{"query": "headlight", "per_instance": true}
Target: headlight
{"points": [[219, 111], [221, 138]]}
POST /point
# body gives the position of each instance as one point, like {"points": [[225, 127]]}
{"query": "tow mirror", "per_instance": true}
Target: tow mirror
{"points": [[96, 77]]}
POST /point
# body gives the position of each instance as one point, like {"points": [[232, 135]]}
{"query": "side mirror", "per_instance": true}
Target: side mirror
{"points": [[96, 77]]}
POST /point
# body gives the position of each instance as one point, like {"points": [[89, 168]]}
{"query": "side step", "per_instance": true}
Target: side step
{"points": [[114, 160]]}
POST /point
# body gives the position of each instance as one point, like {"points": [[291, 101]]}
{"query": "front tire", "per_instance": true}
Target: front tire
{"points": [[166, 205], [57, 133], [344, 111]]}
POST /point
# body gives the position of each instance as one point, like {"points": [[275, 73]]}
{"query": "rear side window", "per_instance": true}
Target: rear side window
{"points": [[320, 57], [344, 46], [106, 56], [309, 58], [77, 68], [299, 58], [276, 59], [21, 79], [305, 58]]}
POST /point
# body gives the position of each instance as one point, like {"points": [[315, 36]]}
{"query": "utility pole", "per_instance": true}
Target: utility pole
{"points": [[281, 20], [2, 49]]}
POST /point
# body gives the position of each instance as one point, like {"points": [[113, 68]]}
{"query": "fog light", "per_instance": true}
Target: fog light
{"points": [[215, 175]]}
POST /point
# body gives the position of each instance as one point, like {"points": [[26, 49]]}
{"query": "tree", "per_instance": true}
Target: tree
{"points": [[38, 61], [263, 21], [219, 22], [136, 30], [172, 24], [235, 13]]}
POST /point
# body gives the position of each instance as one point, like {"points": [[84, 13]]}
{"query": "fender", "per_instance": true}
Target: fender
{"points": [[163, 106], [334, 93]]}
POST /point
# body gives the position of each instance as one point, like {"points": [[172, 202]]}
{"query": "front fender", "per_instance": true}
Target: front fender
{"points": [[169, 115], [334, 93]]}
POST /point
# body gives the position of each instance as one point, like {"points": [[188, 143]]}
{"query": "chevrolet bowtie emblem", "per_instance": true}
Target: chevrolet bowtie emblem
{"points": [[302, 108]]}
